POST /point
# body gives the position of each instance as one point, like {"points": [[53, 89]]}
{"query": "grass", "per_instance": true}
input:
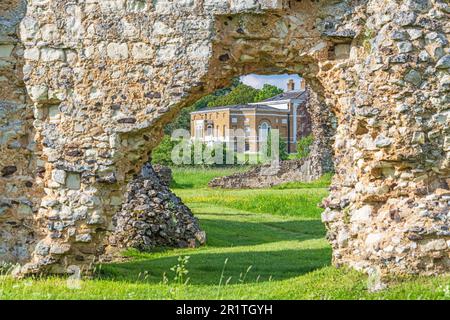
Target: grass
{"points": [[276, 202], [322, 182], [198, 177], [262, 244]]}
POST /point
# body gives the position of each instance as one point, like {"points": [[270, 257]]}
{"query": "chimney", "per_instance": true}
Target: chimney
{"points": [[291, 85], [302, 84]]}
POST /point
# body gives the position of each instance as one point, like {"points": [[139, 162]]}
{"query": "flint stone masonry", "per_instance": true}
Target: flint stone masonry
{"points": [[152, 216], [164, 174], [265, 176], [384, 92], [20, 191]]}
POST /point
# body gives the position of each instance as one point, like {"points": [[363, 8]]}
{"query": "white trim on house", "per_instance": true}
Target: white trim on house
{"points": [[267, 114], [269, 103], [211, 110]]}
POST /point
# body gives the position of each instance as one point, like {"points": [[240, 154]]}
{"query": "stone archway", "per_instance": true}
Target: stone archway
{"points": [[105, 76]]}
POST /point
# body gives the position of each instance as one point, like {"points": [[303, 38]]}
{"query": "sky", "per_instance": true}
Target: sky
{"points": [[258, 81]]}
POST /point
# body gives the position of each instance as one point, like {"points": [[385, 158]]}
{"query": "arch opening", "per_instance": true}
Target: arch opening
{"points": [[101, 97]]}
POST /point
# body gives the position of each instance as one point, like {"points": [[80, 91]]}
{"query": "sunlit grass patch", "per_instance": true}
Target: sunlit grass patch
{"points": [[322, 182]]}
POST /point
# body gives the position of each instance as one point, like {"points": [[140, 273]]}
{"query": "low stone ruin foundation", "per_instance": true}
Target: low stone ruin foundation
{"points": [[266, 176]]}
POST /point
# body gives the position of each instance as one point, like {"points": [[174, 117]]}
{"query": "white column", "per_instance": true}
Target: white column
{"points": [[295, 122]]}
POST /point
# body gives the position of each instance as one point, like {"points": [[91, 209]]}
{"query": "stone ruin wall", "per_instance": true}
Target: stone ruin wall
{"points": [[105, 76], [20, 190], [266, 176], [23, 173]]}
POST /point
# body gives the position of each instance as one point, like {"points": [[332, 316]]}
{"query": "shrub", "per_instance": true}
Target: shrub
{"points": [[304, 146], [162, 154], [282, 148]]}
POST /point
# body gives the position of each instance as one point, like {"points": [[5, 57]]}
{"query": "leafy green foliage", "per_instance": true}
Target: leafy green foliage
{"points": [[242, 94], [162, 154], [304, 146], [267, 91], [282, 144], [181, 271], [283, 149], [183, 120]]}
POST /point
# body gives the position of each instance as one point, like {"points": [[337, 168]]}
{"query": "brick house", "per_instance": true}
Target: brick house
{"points": [[286, 112]]}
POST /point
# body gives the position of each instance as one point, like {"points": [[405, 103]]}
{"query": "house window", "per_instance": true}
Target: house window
{"points": [[264, 130], [247, 145], [234, 120], [284, 121], [247, 131], [209, 130], [199, 129]]}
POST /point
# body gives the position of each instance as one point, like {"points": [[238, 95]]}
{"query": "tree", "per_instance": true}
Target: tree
{"points": [[282, 147], [241, 94], [162, 154], [267, 91], [183, 120]]}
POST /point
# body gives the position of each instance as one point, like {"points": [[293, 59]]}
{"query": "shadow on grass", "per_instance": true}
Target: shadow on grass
{"points": [[185, 185], [206, 268], [229, 233]]}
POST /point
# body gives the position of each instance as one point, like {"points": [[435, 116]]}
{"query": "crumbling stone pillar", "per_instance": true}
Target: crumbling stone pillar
{"points": [[19, 190], [152, 216], [105, 76], [389, 206]]}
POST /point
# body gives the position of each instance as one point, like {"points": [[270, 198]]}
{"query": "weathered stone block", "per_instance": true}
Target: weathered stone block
{"points": [[136, 5], [39, 93], [414, 77], [73, 181], [59, 176], [363, 214], [32, 54], [142, 51], [52, 55], [6, 50], [117, 51], [443, 63]]}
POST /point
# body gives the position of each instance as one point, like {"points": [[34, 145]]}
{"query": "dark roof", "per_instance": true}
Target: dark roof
{"points": [[287, 96], [240, 107], [260, 105]]}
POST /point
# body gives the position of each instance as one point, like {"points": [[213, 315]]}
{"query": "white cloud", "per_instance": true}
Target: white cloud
{"points": [[258, 81]]}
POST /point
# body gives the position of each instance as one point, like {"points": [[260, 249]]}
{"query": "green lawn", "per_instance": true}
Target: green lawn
{"points": [[323, 182], [262, 244], [198, 177]]}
